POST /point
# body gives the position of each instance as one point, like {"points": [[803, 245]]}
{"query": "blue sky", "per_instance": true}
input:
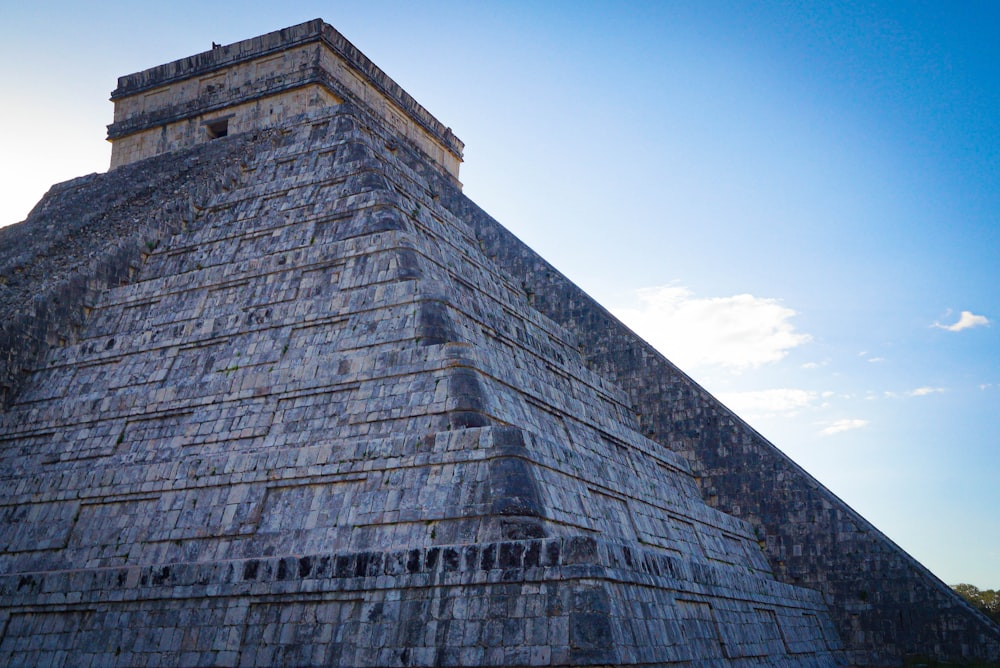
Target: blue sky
{"points": [[796, 202]]}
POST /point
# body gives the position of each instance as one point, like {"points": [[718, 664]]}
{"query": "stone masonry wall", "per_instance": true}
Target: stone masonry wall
{"points": [[887, 606], [318, 424], [571, 601], [95, 233], [262, 82], [90, 234]]}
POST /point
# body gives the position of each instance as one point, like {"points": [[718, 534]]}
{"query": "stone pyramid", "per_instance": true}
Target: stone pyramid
{"points": [[271, 399]]}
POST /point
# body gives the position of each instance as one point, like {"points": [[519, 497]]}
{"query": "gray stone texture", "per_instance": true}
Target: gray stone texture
{"points": [[289, 398], [265, 46], [886, 605], [315, 424]]}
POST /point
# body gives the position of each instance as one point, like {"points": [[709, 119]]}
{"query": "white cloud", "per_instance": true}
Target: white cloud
{"points": [[846, 424], [737, 333], [786, 402], [918, 392], [924, 391], [965, 321]]}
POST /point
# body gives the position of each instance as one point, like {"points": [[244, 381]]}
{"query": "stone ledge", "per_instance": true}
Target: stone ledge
{"points": [[535, 560]]}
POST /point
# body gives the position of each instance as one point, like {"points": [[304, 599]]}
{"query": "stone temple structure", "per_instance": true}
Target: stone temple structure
{"points": [[276, 393]]}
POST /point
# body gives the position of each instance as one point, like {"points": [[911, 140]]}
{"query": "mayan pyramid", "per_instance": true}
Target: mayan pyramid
{"points": [[276, 393]]}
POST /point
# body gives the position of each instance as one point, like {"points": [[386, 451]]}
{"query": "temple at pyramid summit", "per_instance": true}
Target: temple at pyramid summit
{"points": [[275, 392]]}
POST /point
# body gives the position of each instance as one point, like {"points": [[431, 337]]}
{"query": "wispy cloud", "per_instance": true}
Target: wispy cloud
{"points": [[738, 333], [785, 402], [847, 424], [918, 392], [966, 320], [924, 391]]}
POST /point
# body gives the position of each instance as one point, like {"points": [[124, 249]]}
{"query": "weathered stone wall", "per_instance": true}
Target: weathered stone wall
{"points": [[90, 234], [887, 606], [202, 125], [263, 82], [223, 358], [323, 362], [541, 602]]}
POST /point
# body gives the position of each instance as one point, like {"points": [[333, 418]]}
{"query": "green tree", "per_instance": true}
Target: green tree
{"points": [[987, 600]]}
